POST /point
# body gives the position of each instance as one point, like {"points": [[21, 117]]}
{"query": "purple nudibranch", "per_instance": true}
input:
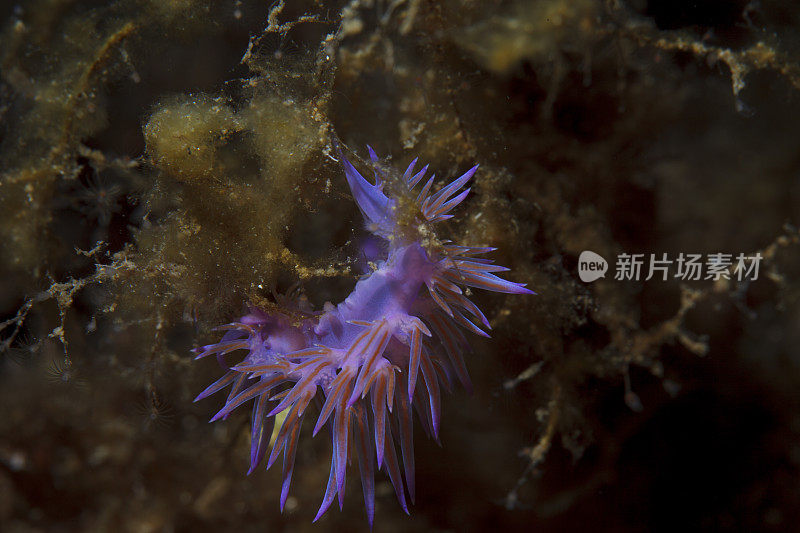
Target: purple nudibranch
{"points": [[393, 343]]}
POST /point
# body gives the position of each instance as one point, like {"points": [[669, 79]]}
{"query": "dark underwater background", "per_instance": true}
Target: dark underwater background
{"points": [[165, 162]]}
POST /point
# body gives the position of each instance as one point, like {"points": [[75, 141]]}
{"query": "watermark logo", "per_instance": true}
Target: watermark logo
{"points": [[591, 266], [685, 267]]}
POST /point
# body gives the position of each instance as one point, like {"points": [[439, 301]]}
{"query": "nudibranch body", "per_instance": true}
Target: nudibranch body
{"points": [[387, 349]]}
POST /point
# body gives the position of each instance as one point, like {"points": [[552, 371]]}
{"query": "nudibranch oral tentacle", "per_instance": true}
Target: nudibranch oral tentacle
{"points": [[389, 348]]}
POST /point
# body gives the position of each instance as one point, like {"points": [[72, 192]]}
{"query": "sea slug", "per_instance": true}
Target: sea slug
{"points": [[393, 343]]}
